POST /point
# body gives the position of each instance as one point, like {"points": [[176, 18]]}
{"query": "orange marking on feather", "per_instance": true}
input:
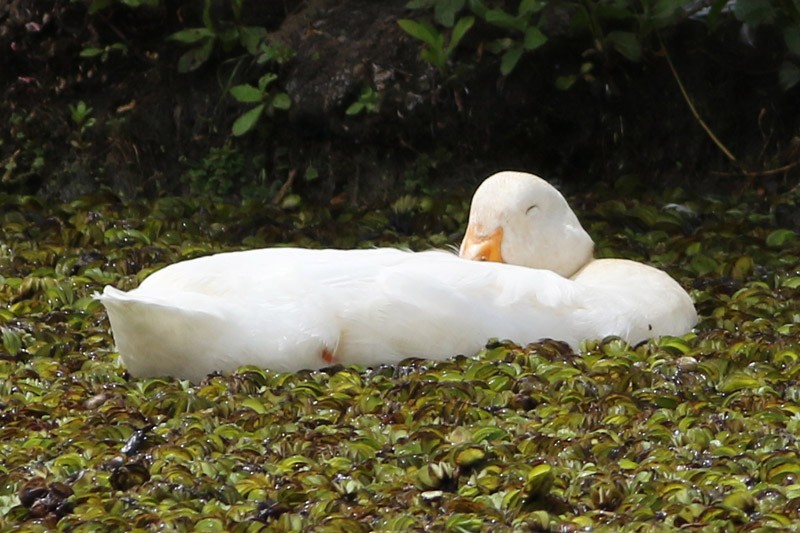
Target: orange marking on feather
{"points": [[327, 356]]}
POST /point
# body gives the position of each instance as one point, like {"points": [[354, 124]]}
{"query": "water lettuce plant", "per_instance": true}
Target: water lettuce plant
{"points": [[694, 432]]}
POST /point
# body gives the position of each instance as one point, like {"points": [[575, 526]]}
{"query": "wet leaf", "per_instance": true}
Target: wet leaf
{"points": [[12, 342], [779, 237], [738, 381], [470, 456], [539, 480], [247, 120]]}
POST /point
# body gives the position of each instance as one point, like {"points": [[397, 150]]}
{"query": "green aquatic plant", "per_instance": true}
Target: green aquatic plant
{"points": [[700, 430]]}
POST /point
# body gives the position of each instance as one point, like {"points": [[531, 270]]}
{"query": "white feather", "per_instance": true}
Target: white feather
{"points": [[288, 309]]}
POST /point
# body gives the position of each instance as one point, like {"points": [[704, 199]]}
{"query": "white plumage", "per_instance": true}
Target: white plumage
{"points": [[288, 309]]}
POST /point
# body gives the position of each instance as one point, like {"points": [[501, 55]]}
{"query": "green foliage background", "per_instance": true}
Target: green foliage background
{"points": [[566, 79]]}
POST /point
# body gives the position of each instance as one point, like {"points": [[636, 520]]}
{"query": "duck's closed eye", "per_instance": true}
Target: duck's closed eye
{"points": [[534, 206]]}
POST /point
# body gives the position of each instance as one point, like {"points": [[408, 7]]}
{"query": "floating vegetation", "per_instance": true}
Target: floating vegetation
{"points": [[695, 432]]}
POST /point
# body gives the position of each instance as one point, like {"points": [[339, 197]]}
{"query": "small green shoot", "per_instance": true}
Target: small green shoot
{"points": [[103, 53], [81, 116], [266, 100], [368, 101]]}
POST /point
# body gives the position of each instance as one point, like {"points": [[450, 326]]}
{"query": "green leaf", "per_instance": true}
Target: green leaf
{"points": [[251, 37], [626, 43], [534, 38], [608, 11], [281, 101], [713, 13], [236, 7], [124, 235], [246, 94], [291, 201], [470, 456], [98, 5], [742, 268], [501, 19], [565, 82], [703, 264], [539, 480], [209, 525], [792, 283], [265, 80], [529, 7], [791, 36], [11, 342], [91, 52], [664, 11], [311, 173], [421, 31], [462, 27], [445, 11], [247, 121], [228, 38], [779, 237], [195, 57], [489, 433], [510, 60], [255, 404], [463, 523], [755, 12], [477, 7], [738, 381], [434, 56], [355, 108], [191, 35], [788, 75]]}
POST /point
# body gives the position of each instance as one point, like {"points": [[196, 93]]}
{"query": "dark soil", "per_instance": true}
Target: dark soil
{"points": [[154, 124]]}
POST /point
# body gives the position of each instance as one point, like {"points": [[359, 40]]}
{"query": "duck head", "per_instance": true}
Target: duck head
{"points": [[520, 219]]}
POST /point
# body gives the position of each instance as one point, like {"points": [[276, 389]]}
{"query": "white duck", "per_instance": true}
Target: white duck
{"points": [[288, 309], [520, 219]]}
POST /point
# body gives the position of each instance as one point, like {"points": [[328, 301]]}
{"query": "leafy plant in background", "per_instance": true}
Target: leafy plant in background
{"points": [[786, 16], [445, 11], [99, 5], [266, 100], [217, 174], [625, 26], [276, 52], [204, 40], [633, 22], [28, 160], [527, 35], [81, 116], [435, 51]]}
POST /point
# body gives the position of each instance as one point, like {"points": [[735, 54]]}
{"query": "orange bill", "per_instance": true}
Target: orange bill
{"points": [[482, 247]]}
